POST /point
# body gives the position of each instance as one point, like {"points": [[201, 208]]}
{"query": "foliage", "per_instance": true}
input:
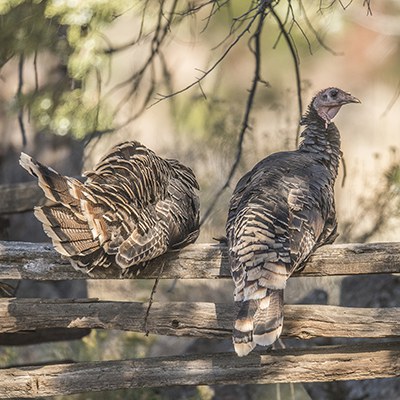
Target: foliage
{"points": [[67, 111], [67, 28], [74, 33], [71, 32]]}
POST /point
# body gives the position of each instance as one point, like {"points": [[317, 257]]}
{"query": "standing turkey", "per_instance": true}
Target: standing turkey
{"points": [[280, 212], [132, 208]]}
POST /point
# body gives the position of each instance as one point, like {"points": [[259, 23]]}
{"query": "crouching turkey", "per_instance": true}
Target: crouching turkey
{"points": [[280, 212], [133, 207]]}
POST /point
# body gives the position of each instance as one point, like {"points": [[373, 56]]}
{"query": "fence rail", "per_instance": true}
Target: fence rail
{"points": [[378, 358], [317, 364], [205, 320], [21, 260]]}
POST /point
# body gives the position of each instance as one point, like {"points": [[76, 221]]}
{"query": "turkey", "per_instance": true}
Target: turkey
{"points": [[133, 207], [279, 213]]}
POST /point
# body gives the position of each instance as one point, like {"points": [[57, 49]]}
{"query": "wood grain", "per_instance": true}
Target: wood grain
{"points": [[206, 320], [22, 260], [318, 364]]}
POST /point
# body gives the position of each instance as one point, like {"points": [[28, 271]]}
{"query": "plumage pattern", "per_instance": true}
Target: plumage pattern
{"points": [[280, 212], [133, 207]]}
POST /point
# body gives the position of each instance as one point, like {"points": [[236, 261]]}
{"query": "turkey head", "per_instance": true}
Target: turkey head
{"points": [[327, 102]]}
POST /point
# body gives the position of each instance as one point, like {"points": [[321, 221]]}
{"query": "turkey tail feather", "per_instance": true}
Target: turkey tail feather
{"points": [[57, 188], [268, 321], [244, 326], [70, 236], [62, 221], [258, 322]]}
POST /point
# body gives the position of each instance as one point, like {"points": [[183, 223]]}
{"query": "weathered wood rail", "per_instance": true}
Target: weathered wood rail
{"points": [[21, 260], [327, 363], [206, 320], [377, 358]]}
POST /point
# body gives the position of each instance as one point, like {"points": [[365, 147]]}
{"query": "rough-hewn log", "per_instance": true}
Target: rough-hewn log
{"points": [[321, 364], [192, 319], [204, 260]]}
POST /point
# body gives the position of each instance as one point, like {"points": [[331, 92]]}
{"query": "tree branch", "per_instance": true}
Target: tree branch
{"points": [[158, 39], [214, 66], [296, 66], [249, 105], [19, 98], [315, 33]]}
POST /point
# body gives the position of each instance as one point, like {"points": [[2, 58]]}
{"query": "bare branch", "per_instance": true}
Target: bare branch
{"points": [[111, 50], [316, 34], [368, 4], [292, 49], [214, 66], [239, 21], [249, 105], [36, 71], [142, 20], [147, 99], [345, 6], [213, 11], [153, 292], [158, 39], [19, 98], [90, 136], [193, 9], [321, 8], [98, 134]]}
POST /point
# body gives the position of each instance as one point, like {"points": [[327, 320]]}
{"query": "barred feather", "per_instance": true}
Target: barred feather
{"points": [[133, 207], [280, 212]]}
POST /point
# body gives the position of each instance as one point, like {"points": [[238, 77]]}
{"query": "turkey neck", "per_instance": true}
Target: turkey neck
{"points": [[321, 142]]}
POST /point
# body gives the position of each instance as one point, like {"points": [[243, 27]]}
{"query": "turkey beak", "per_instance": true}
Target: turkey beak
{"points": [[350, 99]]}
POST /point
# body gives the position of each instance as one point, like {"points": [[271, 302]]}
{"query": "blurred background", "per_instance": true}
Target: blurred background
{"points": [[78, 77]]}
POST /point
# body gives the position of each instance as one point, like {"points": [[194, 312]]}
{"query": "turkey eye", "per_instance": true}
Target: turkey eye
{"points": [[333, 93]]}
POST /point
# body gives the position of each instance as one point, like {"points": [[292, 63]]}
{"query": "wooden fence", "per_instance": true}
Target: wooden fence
{"points": [[361, 360], [376, 353]]}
